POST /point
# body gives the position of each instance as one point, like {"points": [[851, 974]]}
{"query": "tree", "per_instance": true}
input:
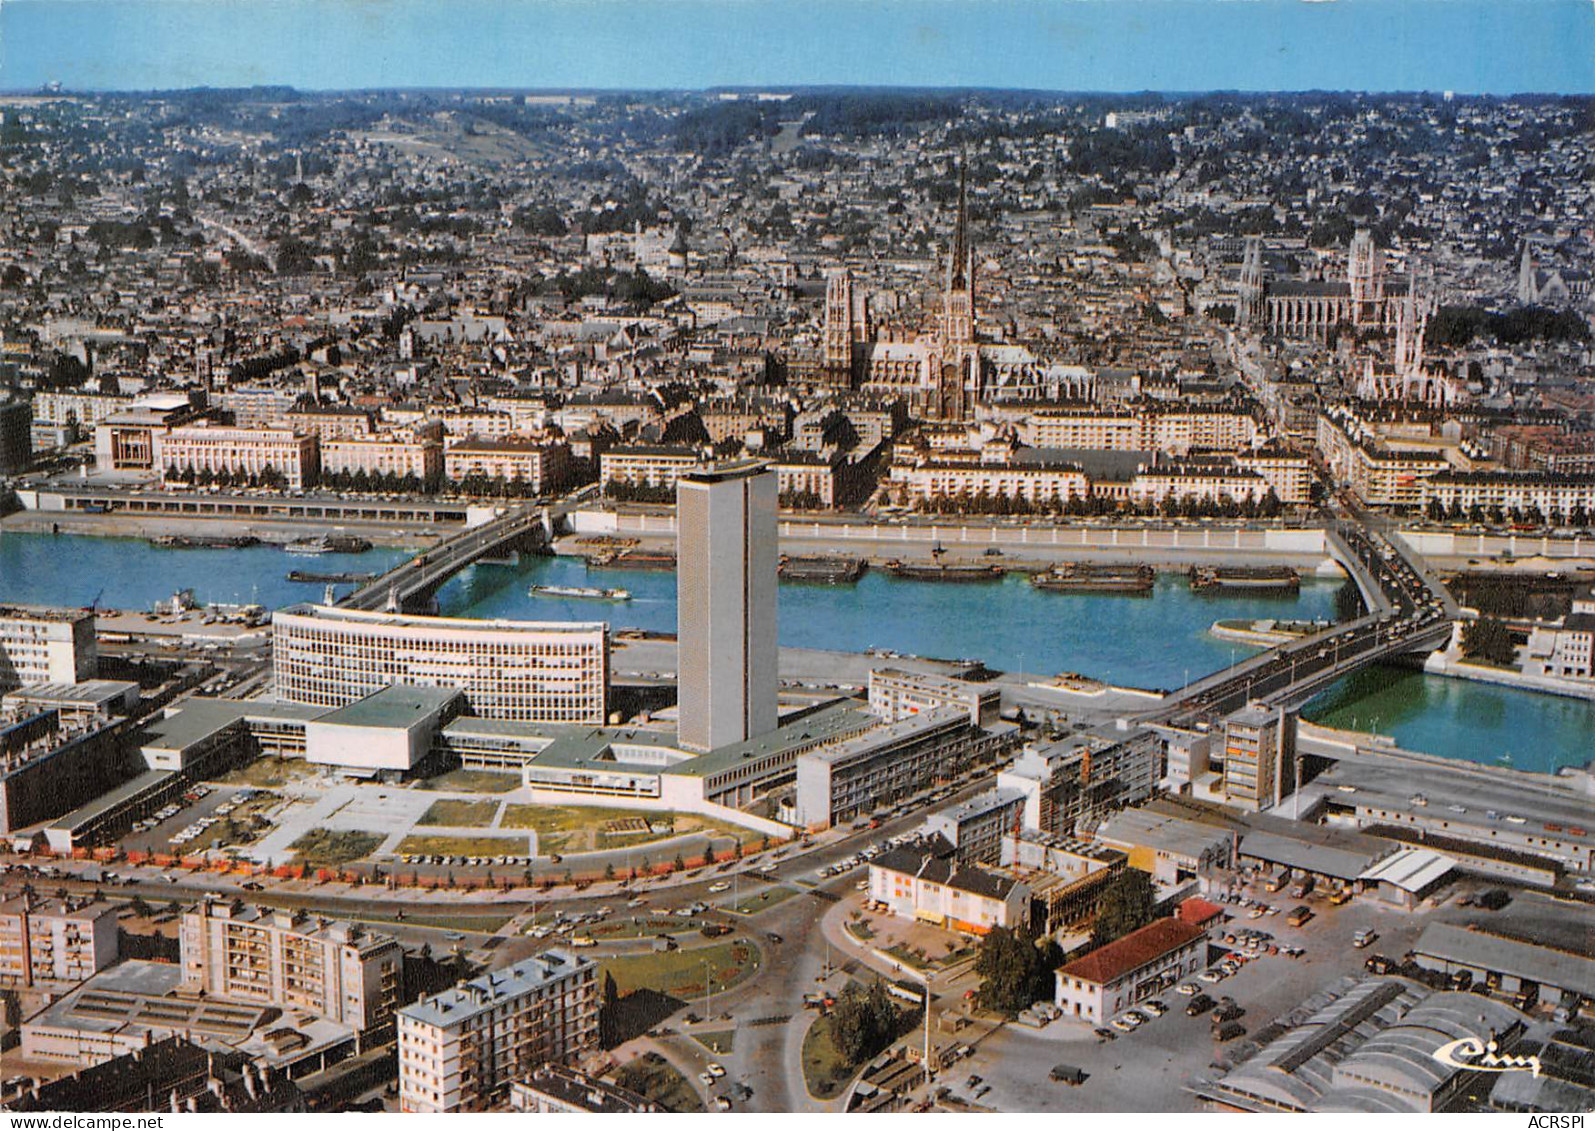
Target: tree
{"points": [[608, 1012], [680, 864], [863, 1023], [1488, 639], [1013, 970], [1348, 601], [1127, 905]]}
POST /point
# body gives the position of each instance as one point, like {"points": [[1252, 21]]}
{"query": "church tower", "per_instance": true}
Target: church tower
{"points": [[1250, 291], [1528, 291], [1365, 276], [957, 374], [841, 328]]}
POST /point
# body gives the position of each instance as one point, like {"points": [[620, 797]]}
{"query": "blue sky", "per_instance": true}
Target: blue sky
{"points": [[1470, 46]]}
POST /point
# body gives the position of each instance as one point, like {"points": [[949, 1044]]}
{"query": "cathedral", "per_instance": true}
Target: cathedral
{"points": [[1365, 299], [943, 373]]}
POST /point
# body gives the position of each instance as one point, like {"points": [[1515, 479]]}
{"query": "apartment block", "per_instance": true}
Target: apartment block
{"points": [[240, 451], [895, 693], [1259, 757], [462, 1049], [291, 960], [382, 455], [539, 464], [43, 645], [55, 940]]}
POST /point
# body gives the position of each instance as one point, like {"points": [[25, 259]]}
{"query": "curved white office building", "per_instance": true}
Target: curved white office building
{"points": [[535, 671]]}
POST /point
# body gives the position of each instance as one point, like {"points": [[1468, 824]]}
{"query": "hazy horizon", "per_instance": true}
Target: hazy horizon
{"points": [[1491, 47]]}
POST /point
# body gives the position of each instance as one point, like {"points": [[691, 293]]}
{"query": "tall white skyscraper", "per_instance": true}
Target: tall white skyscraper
{"points": [[725, 603]]}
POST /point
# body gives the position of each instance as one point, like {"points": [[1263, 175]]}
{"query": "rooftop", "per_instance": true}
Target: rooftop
{"points": [[1138, 948], [397, 705], [467, 999], [1474, 946]]}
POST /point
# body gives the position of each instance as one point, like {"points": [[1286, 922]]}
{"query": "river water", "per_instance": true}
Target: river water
{"points": [[1155, 642]]}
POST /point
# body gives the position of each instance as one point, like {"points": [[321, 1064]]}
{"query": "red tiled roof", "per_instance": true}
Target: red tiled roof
{"points": [[1198, 911], [1134, 950]]}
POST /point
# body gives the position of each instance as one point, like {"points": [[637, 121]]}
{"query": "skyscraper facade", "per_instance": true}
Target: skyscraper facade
{"points": [[726, 607]]}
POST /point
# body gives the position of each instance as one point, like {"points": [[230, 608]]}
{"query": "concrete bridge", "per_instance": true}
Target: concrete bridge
{"points": [[1409, 612], [412, 585]]}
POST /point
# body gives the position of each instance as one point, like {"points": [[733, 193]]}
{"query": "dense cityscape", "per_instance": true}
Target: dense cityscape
{"points": [[797, 599]]}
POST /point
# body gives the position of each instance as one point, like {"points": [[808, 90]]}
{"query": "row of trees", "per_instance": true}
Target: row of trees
{"points": [[1172, 506], [1454, 326], [623, 492], [1437, 511], [269, 478], [381, 482]]}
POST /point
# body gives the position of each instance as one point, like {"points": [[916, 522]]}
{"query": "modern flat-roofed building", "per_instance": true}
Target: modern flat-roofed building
{"points": [[44, 645], [885, 764], [726, 605], [55, 940], [1259, 757], [975, 827], [49, 766], [1070, 779], [292, 960], [462, 1049], [1112, 978], [533, 671], [895, 693], [391, 729], [204, 447]]}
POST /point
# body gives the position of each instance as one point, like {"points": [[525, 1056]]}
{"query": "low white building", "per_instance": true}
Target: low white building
{"points": [[1112, 978], [922, 885], [1565, 650]]}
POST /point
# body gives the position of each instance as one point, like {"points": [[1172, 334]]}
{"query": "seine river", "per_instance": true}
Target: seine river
{"points": [[1154, 642]]}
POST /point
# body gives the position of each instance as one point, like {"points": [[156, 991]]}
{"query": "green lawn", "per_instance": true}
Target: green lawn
{"points": [[825, 1071], [266, 772], [763, 900], [460, 814], [418, 844], [324, 848], [589, 828], [653, 1076], [646, 927], [585, 828], [680, 973], [720, 1042], [474, 781]]}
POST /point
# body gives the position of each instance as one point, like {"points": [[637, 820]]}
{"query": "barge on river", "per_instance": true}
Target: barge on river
{"points": [[1080, 577], [1245, 578]]}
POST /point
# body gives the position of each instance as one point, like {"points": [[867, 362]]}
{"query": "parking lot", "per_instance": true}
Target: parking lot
{"points": [[1149, 1068], [181, 828]]}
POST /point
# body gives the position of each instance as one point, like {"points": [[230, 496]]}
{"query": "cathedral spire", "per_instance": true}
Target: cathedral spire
{"points": [[961, 252]]}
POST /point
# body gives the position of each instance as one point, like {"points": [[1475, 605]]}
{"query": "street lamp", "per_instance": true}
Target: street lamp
{"points": [[708, 990], [924, 980]]}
